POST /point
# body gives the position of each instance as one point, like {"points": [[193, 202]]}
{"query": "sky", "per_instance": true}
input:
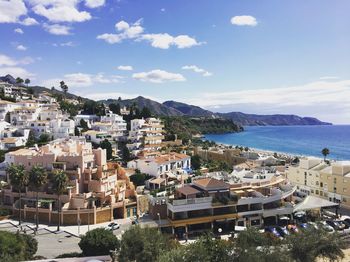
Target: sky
{"points": [[252, 56]]}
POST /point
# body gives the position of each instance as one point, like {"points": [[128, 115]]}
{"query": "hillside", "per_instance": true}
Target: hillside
{"points": [[185, 126], [189, 110], [271, 120], [155, 107]]}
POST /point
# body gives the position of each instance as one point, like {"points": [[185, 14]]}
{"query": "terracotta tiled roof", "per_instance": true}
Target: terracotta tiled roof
{"points": [[187, 190], [211, 183]]}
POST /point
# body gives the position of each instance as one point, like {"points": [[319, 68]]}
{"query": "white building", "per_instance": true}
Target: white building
{"points": [[159, 165], [113, 124], [145, 134], [11, 136]]}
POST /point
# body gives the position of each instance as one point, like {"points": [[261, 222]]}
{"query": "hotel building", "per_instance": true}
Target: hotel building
{"points": [[330, 181]]}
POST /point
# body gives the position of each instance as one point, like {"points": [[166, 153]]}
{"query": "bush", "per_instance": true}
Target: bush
{"points": [[98, 242], [16, 247], [73, 254]]}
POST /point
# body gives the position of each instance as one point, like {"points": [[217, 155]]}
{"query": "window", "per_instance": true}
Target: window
{"points": [[312, 191], [317, 192], [321, 184], [317, 183]]}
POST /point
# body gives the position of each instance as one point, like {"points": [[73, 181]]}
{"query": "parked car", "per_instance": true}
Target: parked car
{"points": [[282, 231], [113, 226], [327, 227], [273, 232], [334, 224]]}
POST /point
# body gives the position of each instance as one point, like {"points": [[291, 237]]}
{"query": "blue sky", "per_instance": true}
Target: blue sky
{"points": [[252, 56]]}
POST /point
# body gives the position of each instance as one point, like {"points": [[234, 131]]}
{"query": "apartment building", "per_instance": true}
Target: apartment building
{"points": [[315, 177], [209, 204], [94, 190], [161, 164], [112, 124], [145, 135], [11, 136]]}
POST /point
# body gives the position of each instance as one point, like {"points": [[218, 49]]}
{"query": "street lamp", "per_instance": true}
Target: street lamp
{"points": [[158, 214]]}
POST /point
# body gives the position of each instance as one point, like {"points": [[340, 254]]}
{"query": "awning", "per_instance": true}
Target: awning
{"points": [[311, 202]]}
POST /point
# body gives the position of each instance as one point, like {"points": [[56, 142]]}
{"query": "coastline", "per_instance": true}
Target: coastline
{"points": [[291, 141]]}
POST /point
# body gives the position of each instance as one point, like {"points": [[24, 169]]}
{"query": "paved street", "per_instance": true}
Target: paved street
{"points": [[52, 243]]}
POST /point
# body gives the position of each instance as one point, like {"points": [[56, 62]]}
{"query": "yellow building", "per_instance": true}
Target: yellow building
{"points": [[331, 181]]}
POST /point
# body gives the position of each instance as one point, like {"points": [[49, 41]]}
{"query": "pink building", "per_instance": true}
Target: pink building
{"points": [[93, 183]]}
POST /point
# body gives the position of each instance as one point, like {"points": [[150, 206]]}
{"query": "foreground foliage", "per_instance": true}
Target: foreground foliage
{"points": [[98, 242], [17, 247]]}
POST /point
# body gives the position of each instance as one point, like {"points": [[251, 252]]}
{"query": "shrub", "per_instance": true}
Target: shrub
{"points": [[98, 242]]}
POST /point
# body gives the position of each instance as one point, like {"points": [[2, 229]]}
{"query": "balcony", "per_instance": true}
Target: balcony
{"points": [[276, 194], [182, 205]]}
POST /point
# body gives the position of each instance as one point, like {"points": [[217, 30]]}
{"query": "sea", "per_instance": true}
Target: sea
{"points": [[295, 140]]}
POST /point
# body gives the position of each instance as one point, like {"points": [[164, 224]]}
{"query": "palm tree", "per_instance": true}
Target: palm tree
{"points": [[59, 185], [19, 179], [27, 81], [19, 80], [325, 152], [64, 88], [37, 178]]}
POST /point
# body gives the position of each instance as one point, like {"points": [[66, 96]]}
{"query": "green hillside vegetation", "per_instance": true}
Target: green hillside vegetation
{"points": [[186, 127]]}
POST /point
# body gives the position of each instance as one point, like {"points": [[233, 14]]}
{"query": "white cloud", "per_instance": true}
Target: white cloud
{"points": [[158, 76], [29, 21], [60, 10], [21, 48], [135, 32], [16, 72], [65, 44], [8, 61], [12, 10], [328, 77], [164, 41], [125, 68], [243, 20], [163, 9], [83, 80], [110, 38], [196, 69], [18, 31], [11, 66], [327, 100], [94, 3], [57, 29]]}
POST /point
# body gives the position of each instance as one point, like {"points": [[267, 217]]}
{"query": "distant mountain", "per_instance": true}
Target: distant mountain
{"points": [[189, 110], [155, 107], [173, 108], [271, 120], [8, 79]]}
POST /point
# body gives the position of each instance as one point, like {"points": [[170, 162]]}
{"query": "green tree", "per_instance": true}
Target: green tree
{"points": [[125, 154], [325, 152], [145, 112], [19, 179], [84, 125], [138, 179], [16, 247], [27, 81], [59, 185], [311, 244], [64, 88], [115, 108], [44, 138], [76, 131], [105, 144], [196, 162], [143, 244], [205, 249], [37, 179], [19, 80], [98, 242], [31, 139]]}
